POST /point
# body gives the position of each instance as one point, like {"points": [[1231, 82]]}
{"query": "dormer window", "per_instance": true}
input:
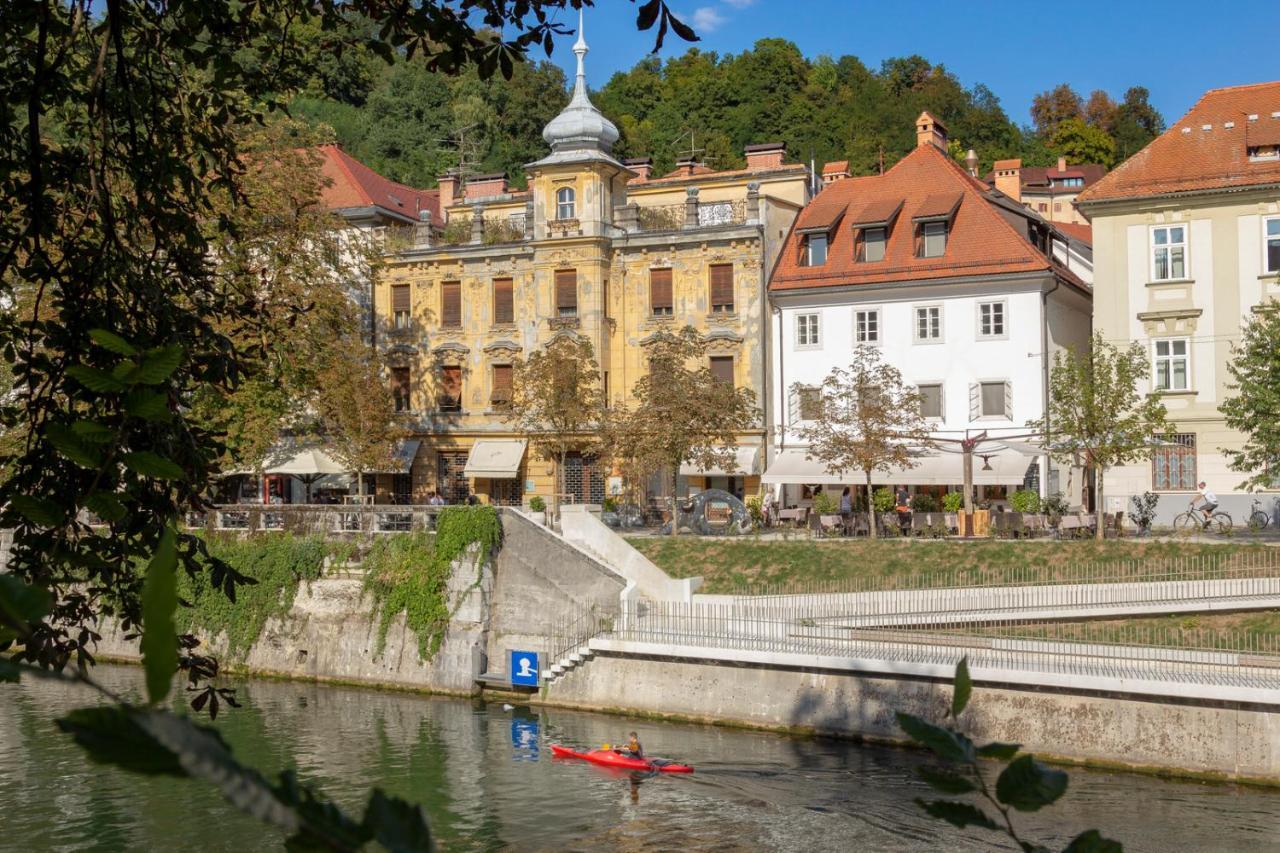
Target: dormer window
{"points": [[873, 241], [871, 230], [565, 203], [933, 242], [815, 250]]}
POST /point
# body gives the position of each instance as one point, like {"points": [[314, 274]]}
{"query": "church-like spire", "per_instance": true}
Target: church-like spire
{"points": [[580, 126]]}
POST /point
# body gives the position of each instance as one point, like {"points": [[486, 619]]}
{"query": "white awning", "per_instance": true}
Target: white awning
{"points": [[1008, 468], [495, 459], [746, 463], [310, 461]]}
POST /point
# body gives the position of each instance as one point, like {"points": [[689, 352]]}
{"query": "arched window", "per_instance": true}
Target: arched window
{"points": [[564, 203]]}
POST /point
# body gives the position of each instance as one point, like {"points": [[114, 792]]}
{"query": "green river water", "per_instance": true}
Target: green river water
{"points": [[485, 775]]}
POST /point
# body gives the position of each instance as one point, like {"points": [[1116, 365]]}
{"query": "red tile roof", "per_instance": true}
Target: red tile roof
{"points": [[836, 167], [353, 184], [1038, 177], [938, 206], [1076, 231], [1187, 157], [981, 241]]}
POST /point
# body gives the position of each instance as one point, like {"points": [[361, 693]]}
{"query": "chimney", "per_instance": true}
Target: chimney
{"points": [[971, 161], [930, 131], [1062, 164], [486, 186], [835, 171], [1009, 178], [449, 182], [685, 167], [766, 155], [642, 166]]}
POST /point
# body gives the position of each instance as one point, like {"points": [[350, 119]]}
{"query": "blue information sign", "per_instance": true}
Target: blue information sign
{"points": [[524, 668]]}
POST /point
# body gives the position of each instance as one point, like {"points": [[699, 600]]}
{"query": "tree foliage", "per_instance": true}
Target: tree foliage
{"points": [[865, 419], [1254, 407], [1098, 130], [680, 412], [1098, 415]]}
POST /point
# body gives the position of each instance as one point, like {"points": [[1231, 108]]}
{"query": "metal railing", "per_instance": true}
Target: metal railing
{"points": [[714, 213], [322, 519], [573, 631]]}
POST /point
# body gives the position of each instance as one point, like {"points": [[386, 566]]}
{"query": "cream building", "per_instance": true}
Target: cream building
{"points": [[594, 248], [1186, 246]]}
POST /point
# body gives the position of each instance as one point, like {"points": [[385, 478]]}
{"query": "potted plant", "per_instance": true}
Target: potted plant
{"points": [[1144, 511], [538, 509]]}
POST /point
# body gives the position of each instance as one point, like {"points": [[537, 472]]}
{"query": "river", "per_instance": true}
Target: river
{"points": [[485, 775]]}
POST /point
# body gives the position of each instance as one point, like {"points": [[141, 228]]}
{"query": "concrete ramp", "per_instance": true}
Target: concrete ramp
{"points": [[581, 526]]}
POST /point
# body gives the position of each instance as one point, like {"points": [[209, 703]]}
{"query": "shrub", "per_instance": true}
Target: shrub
{"points": [[1144, 509], [1025, 500], [610, 505], [1055, 505], [824, 504], [755, 509], [537, 504], [882, 498], [953, 502], [924, 503]]}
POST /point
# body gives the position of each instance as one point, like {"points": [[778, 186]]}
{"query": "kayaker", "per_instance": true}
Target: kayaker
{"points": [[633, 747]]}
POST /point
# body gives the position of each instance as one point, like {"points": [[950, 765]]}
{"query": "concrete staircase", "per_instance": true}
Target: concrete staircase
{"points": [[568, 663]]}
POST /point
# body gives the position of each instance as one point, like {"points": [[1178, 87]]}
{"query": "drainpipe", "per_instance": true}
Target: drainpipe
{"points": [[1044, 358]]}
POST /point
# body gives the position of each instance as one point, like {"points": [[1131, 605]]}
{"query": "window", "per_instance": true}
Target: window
{"points": [[1271, 241], [565, 206], [451, 304], [721, 276], [934, 239], [930, 400], [809, 402], [722, 368], [1171, 365], [504, 307], [994, 399], [815, 250], [866, 327], [806, 330], [871, 245], [1044, 207], [400, 305], [450, 399], [1173, 463], [400, 389], [991, 319], [451, 483], [1169, 252], [500, 398], [661, 303], [566, 293], [929, 323]]}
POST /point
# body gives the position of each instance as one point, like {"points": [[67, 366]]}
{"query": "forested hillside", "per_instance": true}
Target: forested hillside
{"points": [[412, 124]]}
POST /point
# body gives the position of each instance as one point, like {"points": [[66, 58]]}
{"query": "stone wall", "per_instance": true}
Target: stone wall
{"points": [[1214, 739]]}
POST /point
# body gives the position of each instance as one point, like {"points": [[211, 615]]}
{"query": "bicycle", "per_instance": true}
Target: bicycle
{"points": [[1258, 517], [1221, 521]]}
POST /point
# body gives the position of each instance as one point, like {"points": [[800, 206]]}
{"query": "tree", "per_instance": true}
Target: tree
{"points": [[558, 401], [120, 150], [1051, 108], [1082, 143], [353, 409], [1097, 415], [1100, 111], [864, 419], [1137, 122], [680, 412], [1254, 408]]}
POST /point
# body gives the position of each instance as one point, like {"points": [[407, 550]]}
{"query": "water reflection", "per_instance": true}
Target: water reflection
{"points": [[486, 778]]}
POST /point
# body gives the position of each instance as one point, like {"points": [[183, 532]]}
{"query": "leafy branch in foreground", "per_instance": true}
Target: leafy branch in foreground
{"points": [[1023, 785]]}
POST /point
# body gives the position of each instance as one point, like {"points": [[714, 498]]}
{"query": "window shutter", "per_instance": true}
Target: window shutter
{"points": [[501, 383], [566, 292], [400, 298], [975, 401], [450, 388], [722, 368], [400, 388], [1008, 400], [721, 287], [660, 296], [451, 303], [504, 309]]}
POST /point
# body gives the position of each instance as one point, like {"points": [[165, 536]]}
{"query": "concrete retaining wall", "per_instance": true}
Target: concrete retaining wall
{"points": [[580, 526], [1233, 741]]}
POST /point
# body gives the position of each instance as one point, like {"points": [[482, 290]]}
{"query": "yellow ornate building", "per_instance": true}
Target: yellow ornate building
{"points": [[594, 248]]}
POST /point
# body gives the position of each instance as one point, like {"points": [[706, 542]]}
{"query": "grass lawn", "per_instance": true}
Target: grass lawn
{"points": [[1257, 630], [730, 564]]}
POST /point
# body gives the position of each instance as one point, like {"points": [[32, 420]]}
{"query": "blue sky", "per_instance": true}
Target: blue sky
{"points": [[1175, 48]]}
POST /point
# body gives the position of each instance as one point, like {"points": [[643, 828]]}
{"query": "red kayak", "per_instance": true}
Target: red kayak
{"points": [[613, 758]]}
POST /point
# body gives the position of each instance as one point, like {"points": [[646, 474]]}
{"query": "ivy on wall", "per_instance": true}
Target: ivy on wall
{"points": [[409, 573], [279, 563]]}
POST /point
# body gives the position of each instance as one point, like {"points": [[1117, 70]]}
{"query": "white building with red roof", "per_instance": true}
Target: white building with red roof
{"points": [[1187, 242], [965, 291]]}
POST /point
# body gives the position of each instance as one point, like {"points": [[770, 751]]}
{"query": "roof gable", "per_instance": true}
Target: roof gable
{"points": [[1206, 149], [353, 184], [929, 185]]}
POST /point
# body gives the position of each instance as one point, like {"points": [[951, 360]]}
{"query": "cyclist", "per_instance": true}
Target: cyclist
{"points": [[1210, 502]]}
